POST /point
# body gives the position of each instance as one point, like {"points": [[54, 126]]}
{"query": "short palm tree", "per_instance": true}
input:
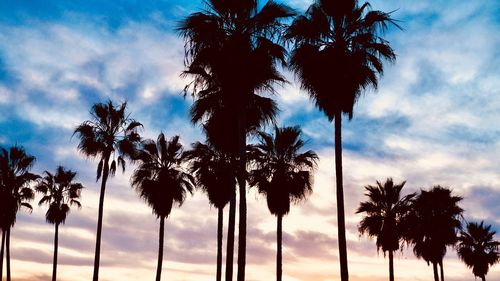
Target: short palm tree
{"points": [[433, 224], [216, 176], [478, 249], [231, 52], [385, 213], [161, 180], [15, 176], [59, 192], [283, 174], [110, 131], [338, 53]]}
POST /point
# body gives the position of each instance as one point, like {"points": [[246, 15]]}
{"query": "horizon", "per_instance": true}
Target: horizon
{"points": [[433, 121]]}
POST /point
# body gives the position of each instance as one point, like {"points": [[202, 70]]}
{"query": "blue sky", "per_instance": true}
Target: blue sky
{"points": [[434, 120]]}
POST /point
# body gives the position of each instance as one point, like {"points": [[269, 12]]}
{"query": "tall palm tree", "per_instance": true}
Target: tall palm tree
{"points": [[161, 180], [59, 192], [231, 52], [283, 174], [433, 224], [15, 176], [216, 176], [338, 53], [110, 131], [478, 249], [385, 214]]}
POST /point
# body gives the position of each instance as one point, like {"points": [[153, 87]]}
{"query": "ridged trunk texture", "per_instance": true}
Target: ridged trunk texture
{"points": [[160, 248], [230, 238], [97, 257], [344, 274], [56, 243], [279, 256], [220, 223]]}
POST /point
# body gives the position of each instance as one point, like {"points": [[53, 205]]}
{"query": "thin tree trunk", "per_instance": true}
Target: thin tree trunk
{"points": [[99, 219], [7, 253], [391, 266], [279, 239], [344, 274], [483, 278], [56, 243], [435, 268], [1, 254], [220, 221], [242, 230], [442, 270], [230, 238], [160, 248]]}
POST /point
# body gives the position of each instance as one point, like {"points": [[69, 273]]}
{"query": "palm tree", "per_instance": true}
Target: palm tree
{"points": [[338, 53], [109, 131], [59, 192], [283, 174], [432, 225], [216, 176], [232, 55], [161, 180], [478, 248], [385, 214], [15, 176]]}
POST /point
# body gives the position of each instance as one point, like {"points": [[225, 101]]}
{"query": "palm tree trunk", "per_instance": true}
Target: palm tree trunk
{"points": [[99, 219], [391, 266], [1, 254], [435, 268], [220, 218], [7, 253], [56, 243], [160, 248], [442, 270], [279, 239], [344, 274], [230, 238], [242, 230]]}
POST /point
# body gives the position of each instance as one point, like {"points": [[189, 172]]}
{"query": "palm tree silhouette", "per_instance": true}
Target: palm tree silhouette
{"points": [[232, 54], [478, 249], [15, 176], [433, 225], [338, 53], [161, 180], [385, 214], [283, 174], [216, 176], [59, 192], [109, 131]]}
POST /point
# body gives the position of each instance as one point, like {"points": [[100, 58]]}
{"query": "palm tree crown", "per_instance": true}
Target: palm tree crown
{"points": [[15, 176], [109, 130], [433, 224], [281, 172], [478, 248], [215, 174], [160, 178], [339, 52], [385, 216], [59, 192], [385, 212]]}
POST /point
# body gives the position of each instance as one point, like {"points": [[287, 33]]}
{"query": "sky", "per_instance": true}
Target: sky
{"points": [[433, 120]]}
